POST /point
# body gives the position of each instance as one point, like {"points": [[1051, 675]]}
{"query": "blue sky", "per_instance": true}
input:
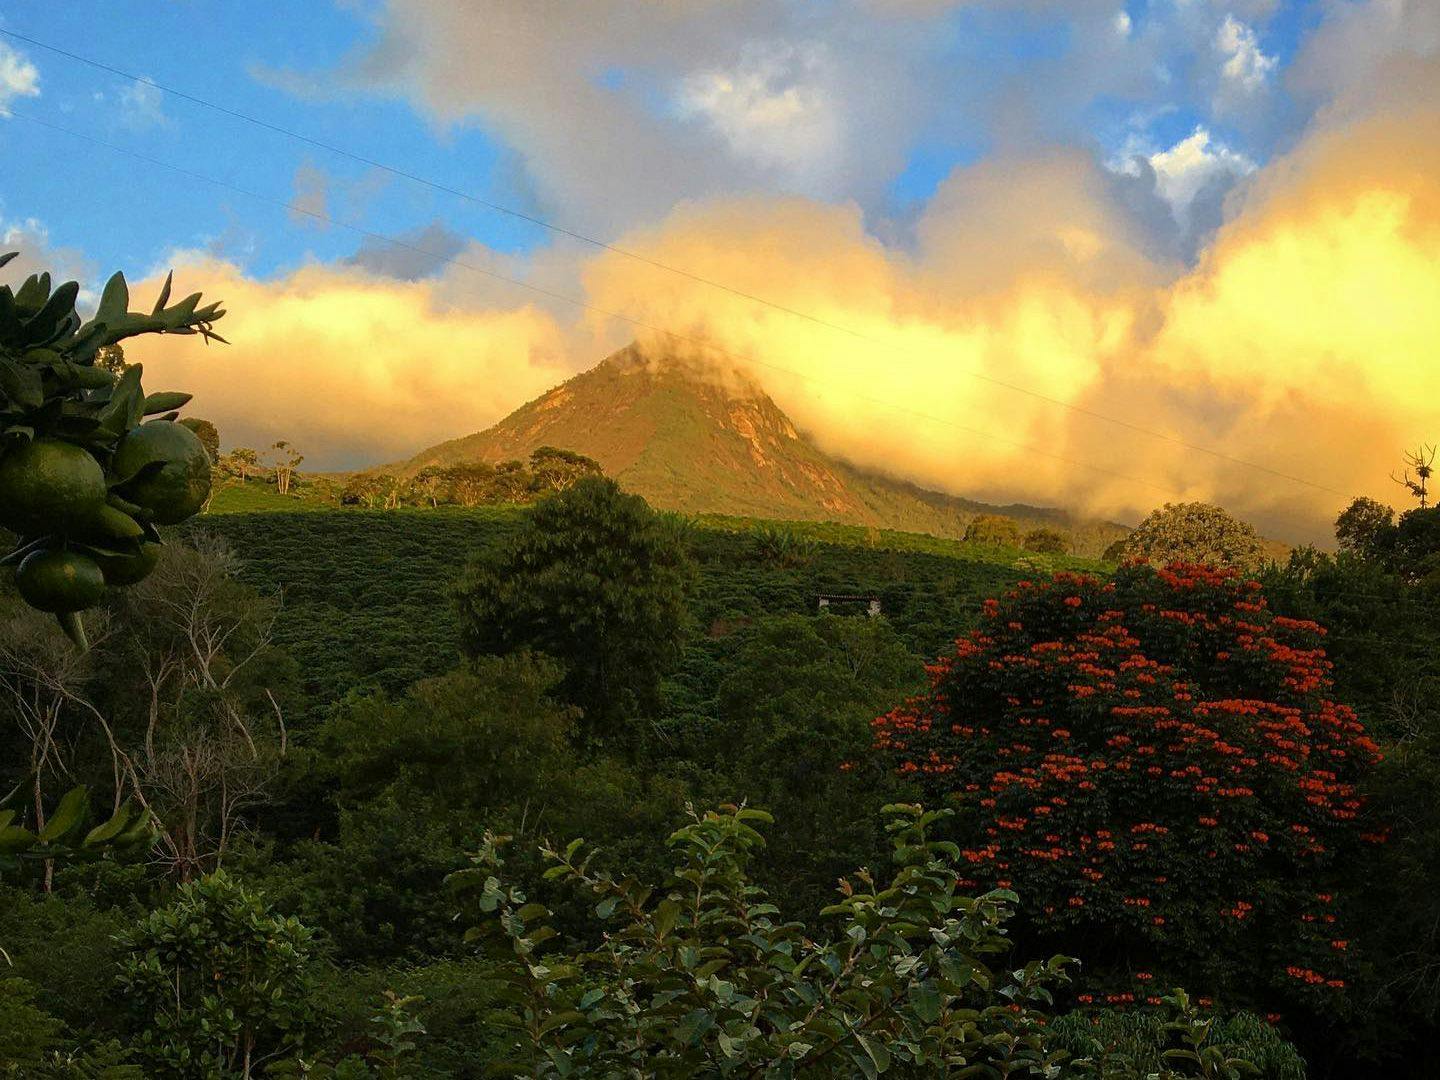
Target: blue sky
{"points": [[300, 72], [126, 213]]}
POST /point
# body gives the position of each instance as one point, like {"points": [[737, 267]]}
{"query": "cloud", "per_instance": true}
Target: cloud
{"points": [[771, 108], [619, 116], [37, 255], [351, 368], [1372, 56], [421, 253], [1313, 310], [1243, 63], [18, 77], [1197, 169], [1329, 264], [142, 106], [310, 197]]}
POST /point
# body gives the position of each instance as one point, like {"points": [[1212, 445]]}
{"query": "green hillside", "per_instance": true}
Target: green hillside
{"points": [[366, 593]]}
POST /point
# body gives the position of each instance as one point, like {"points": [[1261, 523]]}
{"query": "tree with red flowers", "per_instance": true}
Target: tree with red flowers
{"points": [[1155, 765]]}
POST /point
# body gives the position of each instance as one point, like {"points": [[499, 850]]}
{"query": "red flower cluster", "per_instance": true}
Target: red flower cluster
{"points": [[1129, 752]]}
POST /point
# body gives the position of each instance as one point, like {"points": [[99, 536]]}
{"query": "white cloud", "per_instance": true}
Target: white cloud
{"points": [[832, 107], [771, 107], [1184, 170], [310, 201], [1245, 64], [37, 255], [1122, 23], [18, 77], [142, 105]]}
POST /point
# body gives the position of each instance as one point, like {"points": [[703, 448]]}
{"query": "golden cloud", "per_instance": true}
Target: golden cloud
{"points": [[1302, 340], [352, 368]]}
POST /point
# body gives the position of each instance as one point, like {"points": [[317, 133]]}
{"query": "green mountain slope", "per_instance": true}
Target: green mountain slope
{"points": [[688, 440]]}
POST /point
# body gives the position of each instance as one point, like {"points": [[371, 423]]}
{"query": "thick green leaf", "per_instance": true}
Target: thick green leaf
{"points": [[114, 301], [68, 817], [165, 401]]}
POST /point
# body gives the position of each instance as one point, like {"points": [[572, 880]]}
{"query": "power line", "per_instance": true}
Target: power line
{"points": [[656, 264], [581, 304]]}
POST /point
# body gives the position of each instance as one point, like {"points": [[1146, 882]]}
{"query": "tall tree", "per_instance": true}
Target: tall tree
{"points": [[993, 529], [241, 462], [284, 459], [553, 469], [597, 580], [1196, 533], [1365, 527]]}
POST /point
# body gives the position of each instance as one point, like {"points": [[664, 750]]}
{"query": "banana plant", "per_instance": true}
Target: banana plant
{"points": [[67, 834]]}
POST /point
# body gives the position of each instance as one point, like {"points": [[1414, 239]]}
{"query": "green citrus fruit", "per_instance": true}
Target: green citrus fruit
{"points": [[49, 486], [109, 525], [178, 489], [60, 581], [128, 569]]}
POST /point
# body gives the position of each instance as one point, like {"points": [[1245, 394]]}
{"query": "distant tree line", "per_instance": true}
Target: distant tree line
{"points": [[477, 483]]}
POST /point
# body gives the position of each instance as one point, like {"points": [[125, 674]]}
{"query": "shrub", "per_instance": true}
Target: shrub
{"points": [[35, 1045], [994, 530], [784, 547], [1138, 1042], [790, 733], [1417, 545], [215, 983], [709, 979], [1196, 533], [64, 950], [1047, 542], [482, 737], [1156, 766]]}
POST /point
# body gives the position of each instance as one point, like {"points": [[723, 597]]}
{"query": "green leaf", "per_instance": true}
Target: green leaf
{"points": [[14, 841], [21, 384], [560, 1019], [925, 1000], [50, 319], [164, 296], [114, 300], [107, 831], [666, 916], [30, 297], [164, 401], [68, 816]]}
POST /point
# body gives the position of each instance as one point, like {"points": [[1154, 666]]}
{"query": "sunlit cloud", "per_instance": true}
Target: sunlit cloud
{"points": [[19, 77]]}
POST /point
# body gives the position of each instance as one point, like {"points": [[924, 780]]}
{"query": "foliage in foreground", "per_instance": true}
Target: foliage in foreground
{"points": [[84, 479], [215, 982], [709, 979], [1115, 1043]]}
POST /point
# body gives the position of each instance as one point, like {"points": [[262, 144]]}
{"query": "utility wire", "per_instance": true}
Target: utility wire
{"points": [[581, 304], [656, 264]]}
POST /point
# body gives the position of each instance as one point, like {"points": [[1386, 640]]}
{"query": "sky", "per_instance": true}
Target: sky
{"points": [[1095, 253]]}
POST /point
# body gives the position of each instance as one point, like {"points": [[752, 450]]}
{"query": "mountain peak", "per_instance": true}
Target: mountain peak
{"points": [[695, 435]]}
